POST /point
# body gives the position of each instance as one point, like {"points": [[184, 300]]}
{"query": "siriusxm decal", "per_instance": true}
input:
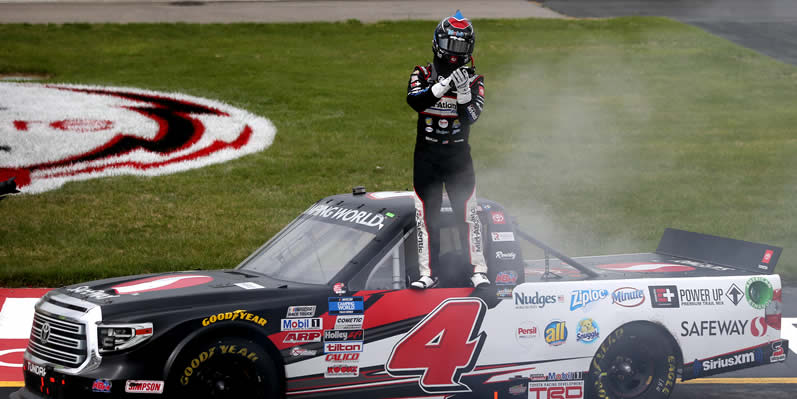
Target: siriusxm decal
{"points": [[346, 305], [582, 298]]}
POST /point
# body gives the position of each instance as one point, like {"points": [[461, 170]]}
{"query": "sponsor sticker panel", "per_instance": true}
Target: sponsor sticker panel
{"points": [[346, 305], [556, 390], [142, 386], [315, 323]]}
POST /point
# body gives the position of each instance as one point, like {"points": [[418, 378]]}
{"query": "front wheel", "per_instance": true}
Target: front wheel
{"points": [[224, 368], [636, 361]]}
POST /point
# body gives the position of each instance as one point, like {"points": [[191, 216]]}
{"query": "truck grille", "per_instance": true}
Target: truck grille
{"points": [[58, 341]]}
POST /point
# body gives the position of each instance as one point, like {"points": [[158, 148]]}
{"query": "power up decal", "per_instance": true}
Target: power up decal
{"points": [[52, 134]]}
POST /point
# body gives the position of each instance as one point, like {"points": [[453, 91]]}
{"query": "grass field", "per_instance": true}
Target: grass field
{"points": [[597, 134]]}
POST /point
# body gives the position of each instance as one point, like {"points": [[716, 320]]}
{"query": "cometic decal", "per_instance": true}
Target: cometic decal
{"points": [[59, 133]]}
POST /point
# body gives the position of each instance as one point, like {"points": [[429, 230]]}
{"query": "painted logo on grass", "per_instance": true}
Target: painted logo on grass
{"points": [[53, 134]]}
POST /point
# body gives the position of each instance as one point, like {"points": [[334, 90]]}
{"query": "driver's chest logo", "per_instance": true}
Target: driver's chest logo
{"points": [[52, 134]]}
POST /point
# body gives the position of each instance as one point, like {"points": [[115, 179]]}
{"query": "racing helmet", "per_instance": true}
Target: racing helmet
{"points": [[454, 39]]}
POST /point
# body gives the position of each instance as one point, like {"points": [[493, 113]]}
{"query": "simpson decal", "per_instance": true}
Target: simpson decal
{"points": [[53, 134]]}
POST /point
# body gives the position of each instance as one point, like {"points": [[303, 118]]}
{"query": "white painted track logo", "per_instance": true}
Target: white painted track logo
{"points": [[52, 134]]}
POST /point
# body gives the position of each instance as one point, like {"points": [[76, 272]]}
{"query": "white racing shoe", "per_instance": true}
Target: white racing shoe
{"points": [[424, 282], [479, 280]]}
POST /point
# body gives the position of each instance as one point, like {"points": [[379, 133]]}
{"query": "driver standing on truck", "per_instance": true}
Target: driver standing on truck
{"points": [[449, 97]]}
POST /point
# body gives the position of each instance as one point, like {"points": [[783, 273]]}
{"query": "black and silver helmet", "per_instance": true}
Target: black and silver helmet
{"points": [[454, 39]]}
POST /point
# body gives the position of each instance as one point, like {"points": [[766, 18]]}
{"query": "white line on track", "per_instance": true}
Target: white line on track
{"points": [[788, 331], [16, 318]]}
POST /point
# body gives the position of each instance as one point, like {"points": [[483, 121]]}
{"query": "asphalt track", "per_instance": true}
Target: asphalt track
{"points": [[767, 26]]}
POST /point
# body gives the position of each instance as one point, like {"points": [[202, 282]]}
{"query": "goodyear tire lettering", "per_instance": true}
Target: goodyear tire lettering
{"points": [[232, 316], [202, 357]]}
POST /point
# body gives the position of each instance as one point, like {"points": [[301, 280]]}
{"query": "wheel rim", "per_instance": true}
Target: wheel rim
{"points": [[631, 373], [229, 378]]}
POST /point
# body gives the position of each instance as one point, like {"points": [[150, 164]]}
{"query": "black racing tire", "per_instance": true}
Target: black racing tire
{"points": [[636, 361], [228, 367]]}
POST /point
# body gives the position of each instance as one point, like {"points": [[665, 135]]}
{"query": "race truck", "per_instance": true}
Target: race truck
{"points": [[323, 310]]}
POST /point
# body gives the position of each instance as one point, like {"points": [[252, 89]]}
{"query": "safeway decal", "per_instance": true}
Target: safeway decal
{"points": [[53, 134], [161, 283]]}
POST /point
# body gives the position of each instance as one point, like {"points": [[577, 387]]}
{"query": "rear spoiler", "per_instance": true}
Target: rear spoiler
{"points": [[743, 255]]}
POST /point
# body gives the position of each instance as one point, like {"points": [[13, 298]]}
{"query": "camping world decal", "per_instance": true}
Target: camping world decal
{"points": [[53, 134]]}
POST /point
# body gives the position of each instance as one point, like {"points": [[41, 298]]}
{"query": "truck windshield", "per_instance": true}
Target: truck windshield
{"points": [[309, 251]]}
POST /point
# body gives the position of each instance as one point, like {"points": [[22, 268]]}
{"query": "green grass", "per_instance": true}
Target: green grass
{"points": [[597, 134]]}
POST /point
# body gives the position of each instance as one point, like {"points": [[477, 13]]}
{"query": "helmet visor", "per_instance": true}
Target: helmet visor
{"points": [[455, 45]]}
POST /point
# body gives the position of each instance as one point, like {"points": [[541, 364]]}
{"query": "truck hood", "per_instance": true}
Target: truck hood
{"points": [[177, 289]]}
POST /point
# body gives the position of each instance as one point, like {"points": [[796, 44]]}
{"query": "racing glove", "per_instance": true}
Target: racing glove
{"points": [[441, 87], [462, 82]]}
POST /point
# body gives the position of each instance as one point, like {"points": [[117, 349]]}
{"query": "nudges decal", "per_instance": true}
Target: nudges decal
{"points": [[53, 134]]}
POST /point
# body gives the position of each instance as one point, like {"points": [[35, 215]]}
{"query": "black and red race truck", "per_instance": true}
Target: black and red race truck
{"points": [[323, 310]]}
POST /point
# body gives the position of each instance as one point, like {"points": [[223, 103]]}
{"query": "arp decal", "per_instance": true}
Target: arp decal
{"points": [[53, 134], [442, 347], [161, 283]]}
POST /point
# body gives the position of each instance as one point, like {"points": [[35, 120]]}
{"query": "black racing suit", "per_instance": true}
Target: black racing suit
{"points": [[442, 158]]}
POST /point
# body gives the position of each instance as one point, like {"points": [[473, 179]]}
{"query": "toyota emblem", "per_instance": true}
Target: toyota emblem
{"points": [[45, 333]]}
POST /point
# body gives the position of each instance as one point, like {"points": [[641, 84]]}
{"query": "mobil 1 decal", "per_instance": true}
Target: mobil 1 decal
{"points": [[55, 133], [442, 347]]}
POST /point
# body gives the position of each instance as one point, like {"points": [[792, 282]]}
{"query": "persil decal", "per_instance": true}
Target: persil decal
{"points": [[160, 283], [56, 133], [136, 386], [356, 216]]}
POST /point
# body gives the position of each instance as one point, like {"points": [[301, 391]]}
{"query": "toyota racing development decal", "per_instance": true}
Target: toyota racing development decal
{"points": [[52, 134]]}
